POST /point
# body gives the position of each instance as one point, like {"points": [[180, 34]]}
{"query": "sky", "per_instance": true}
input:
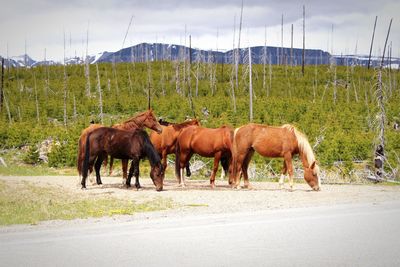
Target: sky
{"points": [[338, 27]]}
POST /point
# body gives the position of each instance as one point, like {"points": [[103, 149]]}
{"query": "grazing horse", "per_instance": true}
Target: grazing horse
{"points": [[206, 142], [284, 141], [144, 119], [165, 142], [124, 145]]}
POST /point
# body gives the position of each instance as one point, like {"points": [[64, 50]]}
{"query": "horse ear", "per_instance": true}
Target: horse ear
{"points": [[313, 165]]}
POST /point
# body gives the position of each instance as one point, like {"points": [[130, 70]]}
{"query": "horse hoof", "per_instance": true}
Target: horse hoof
{"points": [[84, 188], [249, 187]]}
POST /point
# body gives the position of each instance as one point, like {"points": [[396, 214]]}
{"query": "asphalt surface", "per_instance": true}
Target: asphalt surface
{"points": [[344, 235]]}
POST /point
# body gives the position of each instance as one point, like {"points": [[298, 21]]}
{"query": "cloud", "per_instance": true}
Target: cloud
{"points": [[42, 23]]}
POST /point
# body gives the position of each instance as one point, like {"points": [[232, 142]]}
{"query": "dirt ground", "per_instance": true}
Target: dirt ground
{"points": [[198, 198]]}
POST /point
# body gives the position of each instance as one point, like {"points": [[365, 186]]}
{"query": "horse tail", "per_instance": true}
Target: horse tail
{"points": [[232, 178], [177, 159], [86, 160], [79, 158]]}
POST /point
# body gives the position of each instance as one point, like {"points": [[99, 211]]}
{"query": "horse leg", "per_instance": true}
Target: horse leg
{"points": [[289, 166], [125, 163], [217, 158], [188, 172], [97, 167], [136, 174], [238, 162], [105, 162], [111, 166], [182, 180], [84, 176], [245, 167], [131, 170], [90, 174], [282, 178]]}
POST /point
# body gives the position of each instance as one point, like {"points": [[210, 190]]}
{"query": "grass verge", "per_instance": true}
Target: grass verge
{"points": [[25, 203]]}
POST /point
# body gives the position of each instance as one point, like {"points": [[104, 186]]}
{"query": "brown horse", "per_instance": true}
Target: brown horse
{"points": [[144, 119], [165, 142], [206, 142], [124, 145], [284, 141]]}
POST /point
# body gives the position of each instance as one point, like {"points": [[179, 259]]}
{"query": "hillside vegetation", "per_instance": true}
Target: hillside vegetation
{"points": [[334, 106]]}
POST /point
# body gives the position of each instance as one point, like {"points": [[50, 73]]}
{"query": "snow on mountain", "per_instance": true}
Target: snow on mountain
{"points": [[23, 61]]}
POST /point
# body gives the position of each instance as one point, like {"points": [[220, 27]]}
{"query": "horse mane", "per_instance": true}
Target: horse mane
{"points": [[165, 123], [133, 123], [180, 126], [302, 141], [149, 150]]}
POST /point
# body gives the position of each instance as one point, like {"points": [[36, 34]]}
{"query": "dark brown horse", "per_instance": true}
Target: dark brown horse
{"points": [[123, 145], [205, 142], [165, 142], [144, 119], [284, 141]]}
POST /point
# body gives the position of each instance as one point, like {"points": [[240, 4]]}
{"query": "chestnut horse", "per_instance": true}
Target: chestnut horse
{"points": [[205, 142], [165, 142], [124, 145], [144, 119], [268, 141]]}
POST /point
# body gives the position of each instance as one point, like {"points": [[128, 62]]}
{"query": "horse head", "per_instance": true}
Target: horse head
{"points": [[151, 122], [157, 175], [311, 176]]}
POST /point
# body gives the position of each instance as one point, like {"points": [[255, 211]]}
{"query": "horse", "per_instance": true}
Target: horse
{"points": [[144, 119], [268, 141], [124, 145], [206, 142], [165, 142]]}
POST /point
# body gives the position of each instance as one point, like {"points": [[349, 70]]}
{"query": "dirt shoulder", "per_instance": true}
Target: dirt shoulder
{"points": [[197, 197]]}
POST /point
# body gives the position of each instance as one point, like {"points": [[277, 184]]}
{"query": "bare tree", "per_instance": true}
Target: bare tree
{"points": [[36, 99], [87, 67], [250, 87], [264, 58], [100, 94], [238, 48], [304, 39], [372, 43], [380, 149], [2, 84]]}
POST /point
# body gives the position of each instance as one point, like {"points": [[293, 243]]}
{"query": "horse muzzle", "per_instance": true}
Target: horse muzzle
{"points": [[159, 189], [316, 188]]}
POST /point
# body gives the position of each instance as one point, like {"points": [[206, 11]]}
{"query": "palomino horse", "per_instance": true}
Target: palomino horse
{"points": [[284, 141], [125, 145], [165, 142], [206, 142], [144, 119]]}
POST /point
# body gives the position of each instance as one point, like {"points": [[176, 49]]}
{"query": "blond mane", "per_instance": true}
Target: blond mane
{"points": [[302, 141]]}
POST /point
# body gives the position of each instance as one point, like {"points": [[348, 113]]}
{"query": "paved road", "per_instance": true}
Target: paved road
{"points": [[346, 235]]}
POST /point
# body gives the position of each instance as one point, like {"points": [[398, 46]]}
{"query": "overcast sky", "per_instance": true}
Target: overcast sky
{"points": [[41, 24]]}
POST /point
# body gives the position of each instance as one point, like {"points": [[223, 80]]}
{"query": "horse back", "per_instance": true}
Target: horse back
{"points": [[274, 141]]}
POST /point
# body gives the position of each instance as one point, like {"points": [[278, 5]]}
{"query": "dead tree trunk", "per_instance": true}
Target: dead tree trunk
{"points": [[372, 43], [100, 94], [380, 149], [2, 84], [250, 88], [304, 40], [36, 99]]}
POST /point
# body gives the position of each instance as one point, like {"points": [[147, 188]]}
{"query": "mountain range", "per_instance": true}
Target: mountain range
{"points": [[157, 51]]}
